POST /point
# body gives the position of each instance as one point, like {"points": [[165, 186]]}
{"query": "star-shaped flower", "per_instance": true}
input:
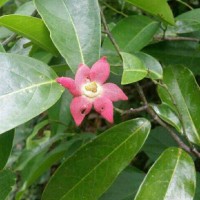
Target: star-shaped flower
{"points": [[89, 89]]}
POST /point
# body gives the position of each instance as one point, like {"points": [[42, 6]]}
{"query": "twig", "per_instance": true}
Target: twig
{"points": [[131, 110], [9, 39], [157, 38], [115, 10], [107, 31], [163, 124]]}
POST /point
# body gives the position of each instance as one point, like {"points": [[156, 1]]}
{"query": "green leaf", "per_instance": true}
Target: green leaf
{"points": [[7, 180], [159, 140], [185, 92], [133, 69], [120, 191], [157, 8], [31, 28], [75, 29], [187, 22], [29, 88], [132, 33], [168, 115], [155, 70], [2, 2], [106, 156], [6, 141], [197, 194], [176, 52], [171, 177], [2, 49]]}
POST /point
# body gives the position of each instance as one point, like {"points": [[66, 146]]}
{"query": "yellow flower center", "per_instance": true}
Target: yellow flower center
{"points": [[91, 89]]}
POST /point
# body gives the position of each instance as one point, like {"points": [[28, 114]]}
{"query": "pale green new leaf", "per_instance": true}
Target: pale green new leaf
{"points": [[158, 8], [31, 28], [133, 68]]}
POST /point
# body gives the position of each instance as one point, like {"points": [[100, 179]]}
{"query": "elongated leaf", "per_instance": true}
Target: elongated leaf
{"points": [[171, 177], [132, 33], [185, 91], [1, 48], [75, 29], [120, 191], [101, 161], [154, 67], [7, 180], [157, 8], [168, 115], [30, 27], [28, 88], [133, 69], [177, 52], [6, 141]]}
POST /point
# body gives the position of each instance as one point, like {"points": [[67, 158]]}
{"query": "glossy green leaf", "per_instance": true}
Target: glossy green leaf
{"points": [[106, 156], [188, 22], [132, 33], [155, 70], [7, 180], [157, 8], [133, 69], [184, 90], [168, 115], [31, 28], [75, 29], [6, 141], [177, 52], [121, 191], [159, 140], [2, 2], [29, 88], [2, 49], [171, 177]]}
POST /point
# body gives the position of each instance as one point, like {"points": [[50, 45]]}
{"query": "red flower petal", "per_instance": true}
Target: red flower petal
{"points": [[80, 107], [100, 71], [104, 107], [113, 92], [69, 84], [82, 75]]}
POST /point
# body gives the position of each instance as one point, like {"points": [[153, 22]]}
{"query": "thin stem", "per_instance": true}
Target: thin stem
{"points": [[176, 39], [107, 31], [9, 39], [115, 10], [163, 124], [131, 110], [185, 4]]}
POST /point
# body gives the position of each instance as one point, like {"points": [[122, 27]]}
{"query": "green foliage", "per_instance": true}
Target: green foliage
{"points": [[82, 25], [150, 150], [171, 177]]}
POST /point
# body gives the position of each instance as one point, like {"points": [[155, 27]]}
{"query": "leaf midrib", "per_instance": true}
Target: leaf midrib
{"points": [[76, 34], [27, 88]]}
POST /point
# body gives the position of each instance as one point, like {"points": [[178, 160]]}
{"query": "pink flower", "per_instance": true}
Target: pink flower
{"points": [[89, 89]]}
